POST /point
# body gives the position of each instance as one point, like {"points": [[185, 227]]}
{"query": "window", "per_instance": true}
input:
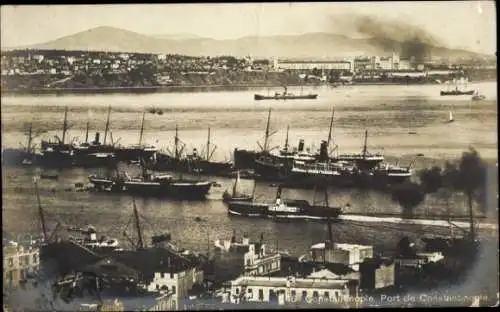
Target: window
{"points": [[336, 295], [304, 295], [293, 293], [327, 295], [171, 275], [173, 289], [261, 294], [250, 290], [237, 291], [315, 294]]}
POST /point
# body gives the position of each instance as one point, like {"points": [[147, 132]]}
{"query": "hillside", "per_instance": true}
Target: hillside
{"points": [[311, 45]]}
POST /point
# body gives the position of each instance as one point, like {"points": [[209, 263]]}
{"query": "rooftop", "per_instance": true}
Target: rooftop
{"points": [[341, 246], [296, 282]]}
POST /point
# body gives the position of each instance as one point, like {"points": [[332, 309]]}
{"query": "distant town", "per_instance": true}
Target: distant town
{"points": [[50, 69]]}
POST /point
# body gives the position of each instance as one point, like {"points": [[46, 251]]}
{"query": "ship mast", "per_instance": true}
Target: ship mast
{"points": [[30, 137], [331, 128], [142, 128], [40, 209], [140, 243], [107, 125], [208, 145], [330, 233], [365, 144], [286, 140], [267, 130], [176, 142], [65, 124], [87, 132]]}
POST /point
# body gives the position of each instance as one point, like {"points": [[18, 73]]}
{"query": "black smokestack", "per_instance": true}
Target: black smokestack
{"points": [[301, 145], [96, 140]]}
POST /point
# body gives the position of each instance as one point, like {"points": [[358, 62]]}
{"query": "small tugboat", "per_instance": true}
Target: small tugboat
{"points": [[235, 195], [478, 97], [285, 96], [284, 209]]}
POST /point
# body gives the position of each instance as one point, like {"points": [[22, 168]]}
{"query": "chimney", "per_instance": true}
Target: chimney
{"points": [[301, 145], [323, 151], [96, 141]]}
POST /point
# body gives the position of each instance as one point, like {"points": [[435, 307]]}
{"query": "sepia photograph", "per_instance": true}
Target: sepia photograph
{"points": [[223, 156]]}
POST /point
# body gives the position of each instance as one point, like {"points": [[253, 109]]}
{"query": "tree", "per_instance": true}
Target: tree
{"points": [[431, 179], [409, 195], [471, 180]]}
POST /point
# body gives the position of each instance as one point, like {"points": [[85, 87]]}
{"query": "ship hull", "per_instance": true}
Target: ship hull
{"points": [[96, 160], [262, 210], [176, 189], [444, 93], [244, 159], [259, 97]]}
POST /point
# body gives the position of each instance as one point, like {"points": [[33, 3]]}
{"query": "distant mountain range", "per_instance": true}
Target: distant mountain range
{"points": [[310, 45]]}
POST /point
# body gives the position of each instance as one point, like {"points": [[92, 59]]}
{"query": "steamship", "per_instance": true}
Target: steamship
{"points": [[283, 209]]}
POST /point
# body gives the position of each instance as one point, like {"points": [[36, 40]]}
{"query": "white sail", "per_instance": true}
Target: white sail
{"points": [[450, 116]]}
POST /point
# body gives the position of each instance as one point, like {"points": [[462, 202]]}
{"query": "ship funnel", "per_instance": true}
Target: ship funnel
{"points": [[301, 145], [323, 151], [96, 140]]}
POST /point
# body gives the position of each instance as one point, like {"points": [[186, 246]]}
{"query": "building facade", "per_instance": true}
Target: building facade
{"points": [[348, 254], [318, 65], [18, 263], [290, 290], [258, 262]]}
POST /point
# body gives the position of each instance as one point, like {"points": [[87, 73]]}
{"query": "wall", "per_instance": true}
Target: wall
{"points": [[17, 262], [385, 276]]}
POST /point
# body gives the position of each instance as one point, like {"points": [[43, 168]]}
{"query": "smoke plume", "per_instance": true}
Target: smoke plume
{"points": [[406, 39]]}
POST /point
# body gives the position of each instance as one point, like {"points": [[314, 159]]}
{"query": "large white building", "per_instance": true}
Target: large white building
{"points": [[289, 290], [18, 263], [258, 262], [319, 65], [348, 254]]}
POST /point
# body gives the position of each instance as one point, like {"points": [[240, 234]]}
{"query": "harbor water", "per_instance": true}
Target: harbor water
{"points": [[407, 122]]}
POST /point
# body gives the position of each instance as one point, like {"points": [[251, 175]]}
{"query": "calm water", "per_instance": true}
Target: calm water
{"points": [[236, 120]]}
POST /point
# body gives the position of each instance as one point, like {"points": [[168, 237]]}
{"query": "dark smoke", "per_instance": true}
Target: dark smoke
{"points": [[408, 40]]}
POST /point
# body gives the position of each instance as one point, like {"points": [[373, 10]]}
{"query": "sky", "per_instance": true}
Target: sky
{"points": [[469, 25]]}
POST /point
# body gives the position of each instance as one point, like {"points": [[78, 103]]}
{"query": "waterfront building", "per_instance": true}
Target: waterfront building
{"points": [[291, 290], [258, 262], [19, 263], [318, 65]]}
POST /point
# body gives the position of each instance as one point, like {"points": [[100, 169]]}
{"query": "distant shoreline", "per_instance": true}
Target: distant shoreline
{"points": [[192, 88]]}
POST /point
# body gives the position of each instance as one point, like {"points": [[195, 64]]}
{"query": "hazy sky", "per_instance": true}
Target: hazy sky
{"points": [[460, 24]]}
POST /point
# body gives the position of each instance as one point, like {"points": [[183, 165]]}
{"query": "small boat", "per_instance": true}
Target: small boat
{"points": [[234, 195], [450, 117], [477, 96], [285, 96], [49, 176], [283, 209]]}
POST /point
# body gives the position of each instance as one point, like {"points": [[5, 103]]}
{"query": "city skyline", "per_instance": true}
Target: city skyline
{"points": [[26, 25]]}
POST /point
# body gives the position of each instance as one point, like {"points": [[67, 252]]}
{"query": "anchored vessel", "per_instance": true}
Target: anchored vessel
{"points": [[285, 96], [284, 209], [457, 91], [149, 184]]}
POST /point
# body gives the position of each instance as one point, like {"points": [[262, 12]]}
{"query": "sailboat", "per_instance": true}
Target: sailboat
{"points": [[457, 91], [235, 195], [450, 117]]}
